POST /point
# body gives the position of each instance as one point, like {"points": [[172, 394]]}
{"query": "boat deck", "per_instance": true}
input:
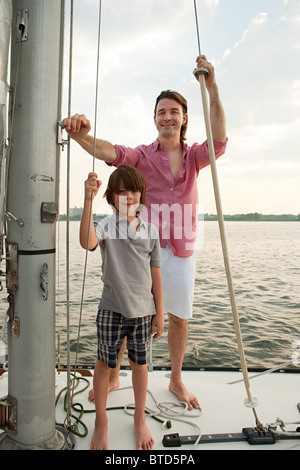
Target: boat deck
{"points": [[222, 404]]}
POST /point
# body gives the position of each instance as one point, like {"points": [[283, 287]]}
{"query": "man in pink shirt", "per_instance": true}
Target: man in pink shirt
{"points": [[170, 168]]}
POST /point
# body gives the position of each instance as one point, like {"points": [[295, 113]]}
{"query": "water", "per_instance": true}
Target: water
{"points": [[265, 265]]}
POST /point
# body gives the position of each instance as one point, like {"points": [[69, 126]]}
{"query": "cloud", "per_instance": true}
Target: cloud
{"points": [[261, 91], [149, 46]]}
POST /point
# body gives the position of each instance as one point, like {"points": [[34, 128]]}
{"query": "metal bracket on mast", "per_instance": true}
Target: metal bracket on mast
{"points": [[22, 25], [48, 212], [60, 140]]}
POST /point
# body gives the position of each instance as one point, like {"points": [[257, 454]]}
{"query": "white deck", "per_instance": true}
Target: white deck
{"points": [[223, 409]]}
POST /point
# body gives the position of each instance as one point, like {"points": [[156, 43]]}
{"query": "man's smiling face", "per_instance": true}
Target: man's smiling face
{"points": [[169, 117]]}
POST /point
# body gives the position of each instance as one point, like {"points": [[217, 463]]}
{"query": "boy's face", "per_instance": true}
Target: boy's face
{"points": [[127, 202]]}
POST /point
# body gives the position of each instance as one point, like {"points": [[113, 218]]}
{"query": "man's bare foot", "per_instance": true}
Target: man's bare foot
{"points": [[143, 437], [182, 393], [99, 439], [111, 386]]}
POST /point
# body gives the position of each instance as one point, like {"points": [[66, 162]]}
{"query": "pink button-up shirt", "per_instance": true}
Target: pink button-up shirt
{"points": [[171, 205]]}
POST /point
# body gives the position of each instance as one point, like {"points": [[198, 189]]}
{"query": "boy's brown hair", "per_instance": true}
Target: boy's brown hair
{"points": [[130, 178]]}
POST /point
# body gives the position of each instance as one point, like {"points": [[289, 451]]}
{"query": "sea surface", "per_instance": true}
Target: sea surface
{"points": [[265, 267]]}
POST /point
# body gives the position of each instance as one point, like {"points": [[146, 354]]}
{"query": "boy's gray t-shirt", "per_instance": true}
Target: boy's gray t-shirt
{"points": [[126, 263]]}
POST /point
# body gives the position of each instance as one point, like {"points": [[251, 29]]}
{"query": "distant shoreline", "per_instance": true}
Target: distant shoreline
{"points": [[250, 217], [255, 217]]}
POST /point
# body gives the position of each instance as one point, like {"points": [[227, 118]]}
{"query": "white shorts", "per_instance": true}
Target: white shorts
{"points": [[178, 280]]}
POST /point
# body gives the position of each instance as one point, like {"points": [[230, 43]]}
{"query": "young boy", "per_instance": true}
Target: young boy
{"points": [[131, 282]]}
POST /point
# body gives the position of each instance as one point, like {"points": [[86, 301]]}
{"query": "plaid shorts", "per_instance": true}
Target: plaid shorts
{"points": [[112, 328]]}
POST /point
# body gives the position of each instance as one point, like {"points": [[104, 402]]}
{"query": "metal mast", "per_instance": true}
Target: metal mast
{"points": [[37, 40]]}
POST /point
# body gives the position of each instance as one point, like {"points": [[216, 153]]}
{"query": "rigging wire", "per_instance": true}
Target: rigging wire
{"points": [[69, 398], [197, 27], [70, 393], [200, 75], [94, 158]]}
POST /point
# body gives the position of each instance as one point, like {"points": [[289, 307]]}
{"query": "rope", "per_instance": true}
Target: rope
{"points": [[268, 371], [201, 78], [164, 413]]}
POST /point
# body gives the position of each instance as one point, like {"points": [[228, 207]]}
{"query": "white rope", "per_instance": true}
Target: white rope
{"points": [[167, 410], [201, 79], [268, 371], [282, 425]]}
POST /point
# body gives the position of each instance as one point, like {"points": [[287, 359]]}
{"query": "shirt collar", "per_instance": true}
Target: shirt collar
{"points": [[157, 144], [117, 219]]}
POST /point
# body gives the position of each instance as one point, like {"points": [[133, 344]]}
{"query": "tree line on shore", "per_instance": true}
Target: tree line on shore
{"points": [[252, 216]]}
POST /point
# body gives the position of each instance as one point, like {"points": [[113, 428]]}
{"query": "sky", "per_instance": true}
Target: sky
{"points": [[147, 46]]}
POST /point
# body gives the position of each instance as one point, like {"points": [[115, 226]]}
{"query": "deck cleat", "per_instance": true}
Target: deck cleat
{"points": [[256, 436]]}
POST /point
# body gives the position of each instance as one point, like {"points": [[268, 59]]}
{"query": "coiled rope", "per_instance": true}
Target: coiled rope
{"points": [[164, 412]]}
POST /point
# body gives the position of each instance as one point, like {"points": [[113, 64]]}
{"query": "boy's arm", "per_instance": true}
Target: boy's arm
{"points": [[158, 319], [87, 236]]}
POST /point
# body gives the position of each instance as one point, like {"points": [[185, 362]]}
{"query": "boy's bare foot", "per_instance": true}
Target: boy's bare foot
{"points": [[99, 439], [182, 393], [143, 437]]}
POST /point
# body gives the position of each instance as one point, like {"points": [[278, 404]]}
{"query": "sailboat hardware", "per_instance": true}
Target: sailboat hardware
{"points": [[12, 285], [45, 281], [60, 140], [32, 178], [22, 25], [12, 267], [11, 216], [253, 436], [8, 414], [48, 212]]}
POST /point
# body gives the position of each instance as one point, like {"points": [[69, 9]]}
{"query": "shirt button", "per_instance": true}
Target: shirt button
{"points": [[171, 189]]}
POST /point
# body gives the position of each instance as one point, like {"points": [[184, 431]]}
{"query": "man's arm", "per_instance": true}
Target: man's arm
{"points": [[217, 115], [78, 128]]}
